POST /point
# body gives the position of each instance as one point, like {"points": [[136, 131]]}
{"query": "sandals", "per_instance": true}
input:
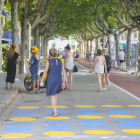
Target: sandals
{"points": [[70, 89], [99, 90], [31, 92], [54, 114], [6, 88], [11, 88], [65, 88]]}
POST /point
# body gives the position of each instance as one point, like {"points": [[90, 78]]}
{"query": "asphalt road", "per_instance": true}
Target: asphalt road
{"points": [[83, 113]]}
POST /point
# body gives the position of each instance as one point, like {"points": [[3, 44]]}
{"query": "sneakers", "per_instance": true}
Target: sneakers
{"points": [[103, 89], [109, 87]]}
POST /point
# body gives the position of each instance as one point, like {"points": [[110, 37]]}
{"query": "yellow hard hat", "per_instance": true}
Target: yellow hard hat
{"points": [[34, 49]]}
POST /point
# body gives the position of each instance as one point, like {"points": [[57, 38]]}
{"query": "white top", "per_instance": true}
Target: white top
{"points": [[121, 55], [69, 62], [113, 57], [99, 66]]}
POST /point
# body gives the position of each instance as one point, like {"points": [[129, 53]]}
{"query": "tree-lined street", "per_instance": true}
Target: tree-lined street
{"points": [[82, 113]]}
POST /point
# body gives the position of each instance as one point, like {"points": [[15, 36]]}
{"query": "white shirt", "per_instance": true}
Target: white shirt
{"points": [[69, 62], [121, 55], [99, 66]]}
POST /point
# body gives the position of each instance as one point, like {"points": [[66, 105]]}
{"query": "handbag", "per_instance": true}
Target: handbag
{"points": [[75, 69], [33, 69]]}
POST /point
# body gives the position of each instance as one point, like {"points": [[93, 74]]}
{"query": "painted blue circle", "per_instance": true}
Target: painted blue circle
{"points": [[85, 109], [23, 114], [94, 126], [58, 113], [25, 110], [113, 108], [138, 111], [92, 121], [126, 121], [20, 124], [57, 127], [58, 109], [57, 122], [129, 125], [87, 113], [117, 112], [17, 129], [136, 108]]}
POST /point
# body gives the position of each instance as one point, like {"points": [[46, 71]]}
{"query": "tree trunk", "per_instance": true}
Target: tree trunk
{"points": [[23, 23], [109, 44], [47, 47], [84, 49], [1, 32], [97, 45], [87, 48], [103, 41], [14, 22], [138, 55], [117, 48], [79, 50], [128, 48], [27, 31], [91, 46]]}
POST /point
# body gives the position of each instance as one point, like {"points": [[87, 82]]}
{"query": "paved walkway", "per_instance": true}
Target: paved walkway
{"points": [[83, 113], [122, 79]]}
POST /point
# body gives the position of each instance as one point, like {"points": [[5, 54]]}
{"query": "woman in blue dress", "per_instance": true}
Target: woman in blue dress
{"points": [[54, 80]]}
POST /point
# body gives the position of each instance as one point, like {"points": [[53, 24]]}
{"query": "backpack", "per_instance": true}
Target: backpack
{"points": [[108, 62], [33, 69]]}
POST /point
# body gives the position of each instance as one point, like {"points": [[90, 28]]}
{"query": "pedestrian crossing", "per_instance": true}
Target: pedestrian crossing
{"points": [[91, 121]]}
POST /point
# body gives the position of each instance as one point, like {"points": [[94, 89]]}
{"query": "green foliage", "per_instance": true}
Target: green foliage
{"points": [[4, 51]]}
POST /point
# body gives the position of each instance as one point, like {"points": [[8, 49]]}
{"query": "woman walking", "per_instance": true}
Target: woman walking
{"points": [[69, 64], [105, 77], [98, 65], [113, 59], [77, 55], [34, 63], [54, 67], [11, 58]]}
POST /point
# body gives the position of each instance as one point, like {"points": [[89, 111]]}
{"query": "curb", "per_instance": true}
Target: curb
{"points": [[9, 98]]}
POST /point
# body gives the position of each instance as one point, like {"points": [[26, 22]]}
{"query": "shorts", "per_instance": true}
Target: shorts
{"points": [[121, 61], [77, 56], [67, 70], [34, 77], [97, 73], [108, 72], [113, 60]]}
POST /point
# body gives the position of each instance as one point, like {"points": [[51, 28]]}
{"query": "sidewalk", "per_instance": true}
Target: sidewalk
{"points": [[6, 96], [121, 78]]}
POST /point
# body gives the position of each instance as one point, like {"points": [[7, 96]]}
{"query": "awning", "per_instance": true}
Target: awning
{"points": [[3, 13]]}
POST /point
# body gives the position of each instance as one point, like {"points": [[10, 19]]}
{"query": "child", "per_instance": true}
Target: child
{"points": [[34, 67]]}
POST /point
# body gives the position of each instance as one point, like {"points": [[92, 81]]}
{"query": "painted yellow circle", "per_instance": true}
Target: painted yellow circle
{"points": [[134, 105], [57, 107], [16, 135], [58, 133], [84, 106], [23, 119], [111, 106], [28, 107], [98, 132], [122, 116], [57, 118], [135, 131], [90, 117]]}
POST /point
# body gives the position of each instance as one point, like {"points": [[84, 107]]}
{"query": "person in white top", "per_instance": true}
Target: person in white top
{"points": [[69, 64], [113, 59], [99, 65], [121, 57]]}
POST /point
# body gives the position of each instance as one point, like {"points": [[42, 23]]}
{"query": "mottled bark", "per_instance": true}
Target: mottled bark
{"points": [[1, 32], [117, 47], [43, 46], [128, 48], [91, 46], [84, 49], [23, 23], [14, 22], [138, 55], [27, 32], [109, 44], [103, 41], [37, 38], [97, 45], [79, 50]]}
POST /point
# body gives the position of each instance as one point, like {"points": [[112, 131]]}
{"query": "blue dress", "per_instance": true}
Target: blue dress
{"points": [[54, 80]]}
